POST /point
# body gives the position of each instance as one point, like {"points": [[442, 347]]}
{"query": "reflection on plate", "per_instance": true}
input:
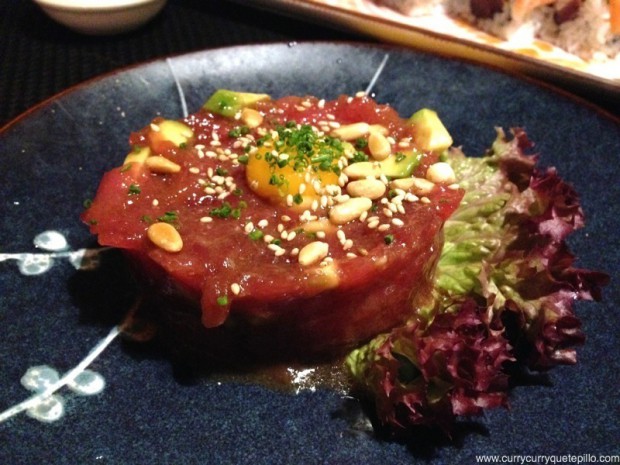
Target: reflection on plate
{"points": [[439, 33], [53, 311]]}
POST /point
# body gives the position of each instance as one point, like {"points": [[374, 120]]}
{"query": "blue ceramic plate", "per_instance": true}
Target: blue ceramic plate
{"points": [[52, 312]]}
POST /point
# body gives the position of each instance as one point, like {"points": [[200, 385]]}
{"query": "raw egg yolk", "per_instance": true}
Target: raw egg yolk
{"points": [[281, 178]]}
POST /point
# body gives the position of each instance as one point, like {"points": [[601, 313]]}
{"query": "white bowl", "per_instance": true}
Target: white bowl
{"points": [[100, 17]]}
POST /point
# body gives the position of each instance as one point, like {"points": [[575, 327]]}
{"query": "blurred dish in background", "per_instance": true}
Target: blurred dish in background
{"points": [[434, 31], [588, 29], [101, 17]]}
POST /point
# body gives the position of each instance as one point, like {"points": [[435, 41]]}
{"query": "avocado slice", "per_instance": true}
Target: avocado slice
{"points": [[431, 134], [138, 155], [400, 164], [229, 102], [175, 132], [397, 165]]}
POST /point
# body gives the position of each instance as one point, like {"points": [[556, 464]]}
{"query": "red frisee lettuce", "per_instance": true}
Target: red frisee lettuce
{"points": [[504, 292]]}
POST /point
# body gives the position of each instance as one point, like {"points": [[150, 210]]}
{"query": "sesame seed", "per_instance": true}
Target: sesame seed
{"points": [[398, 222], [280, 227], [291, 236], [155, 202], [263, 223], [425, 200], [373, 224], [285, 218], [194, 170], [351, 255], [320, 234], [155, 128], [387, 212], [274, 247], [235, 288], [268, 238], [347, 244], [383, 227], [206, 219], [249, 227], [341, 236]]}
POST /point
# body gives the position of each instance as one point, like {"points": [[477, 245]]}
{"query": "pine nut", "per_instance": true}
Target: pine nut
{"points": [[165, 236], [362, 169], [315, 226], [441, 173], [371, 188], [350, 210], [379, 129], [324, 277], [351, 131], [418, 186], [313, 253], [159, 164], [252, 118], [379, 146], [402, 183]]}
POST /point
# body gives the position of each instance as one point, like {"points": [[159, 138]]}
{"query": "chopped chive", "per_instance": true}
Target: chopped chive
{"points": [[361, 143], [168, 217], [134, 189], [256, 234], [388, 239], [222, 300]]}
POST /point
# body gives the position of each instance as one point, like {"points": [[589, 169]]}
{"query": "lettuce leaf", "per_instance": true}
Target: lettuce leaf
{"points": [[504, 292]]}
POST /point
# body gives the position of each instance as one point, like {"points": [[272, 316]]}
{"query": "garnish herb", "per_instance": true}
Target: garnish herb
{"points": [[134, 189], [169, 217], [256, 234], [222, 300]]}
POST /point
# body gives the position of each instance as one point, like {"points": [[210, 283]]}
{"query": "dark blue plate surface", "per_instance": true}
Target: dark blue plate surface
{"points": [[52, 159]]}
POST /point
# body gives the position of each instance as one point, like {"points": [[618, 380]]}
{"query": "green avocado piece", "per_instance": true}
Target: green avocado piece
{"points": [[229, 102], [431, 134], [400, 164]]}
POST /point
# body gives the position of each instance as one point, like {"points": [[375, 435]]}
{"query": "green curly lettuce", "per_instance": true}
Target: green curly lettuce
{"points": [[504, 291]]}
